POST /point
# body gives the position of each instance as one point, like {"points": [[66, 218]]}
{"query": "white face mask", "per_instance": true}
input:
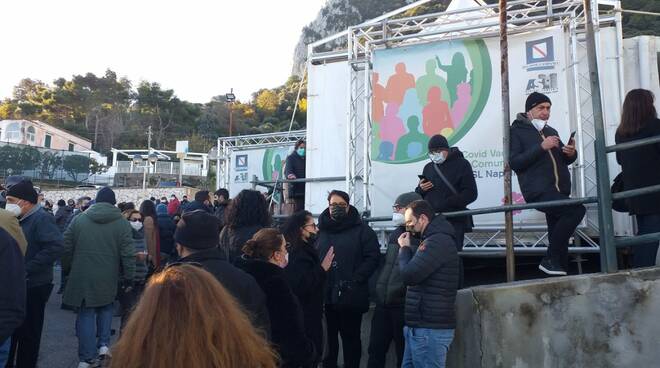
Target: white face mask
{"points": [[437, 158], [136, 225], [539, 124], [398, 219], [14, 209]]}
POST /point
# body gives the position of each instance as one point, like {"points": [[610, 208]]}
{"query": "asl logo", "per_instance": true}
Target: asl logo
{"points": [[544, 83], [540, 54]]}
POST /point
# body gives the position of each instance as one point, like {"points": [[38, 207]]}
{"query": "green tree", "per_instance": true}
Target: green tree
{"points": [[74, 165]]}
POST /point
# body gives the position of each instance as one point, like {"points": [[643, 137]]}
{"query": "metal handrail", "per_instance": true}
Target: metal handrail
{"points": [[632, 144]]}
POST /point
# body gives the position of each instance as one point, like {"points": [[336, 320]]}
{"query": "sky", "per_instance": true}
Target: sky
{"points": [[199, 48]]}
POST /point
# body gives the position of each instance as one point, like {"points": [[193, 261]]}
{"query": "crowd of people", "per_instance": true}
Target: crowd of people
{"points": [[214, 282]]}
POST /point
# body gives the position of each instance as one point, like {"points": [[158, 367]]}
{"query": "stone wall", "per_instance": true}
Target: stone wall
{"points": [[595, 320], [123, 195]]}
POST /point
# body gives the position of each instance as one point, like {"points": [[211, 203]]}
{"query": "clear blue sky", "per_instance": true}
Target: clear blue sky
{"points": [[199, 48]]}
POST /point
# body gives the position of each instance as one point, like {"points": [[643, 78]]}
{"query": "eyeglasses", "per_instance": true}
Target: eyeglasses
{"points": [[342, 205], [135, 220], [312, 225], [397, 208]]}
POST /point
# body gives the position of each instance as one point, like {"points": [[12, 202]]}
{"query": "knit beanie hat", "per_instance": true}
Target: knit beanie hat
{"points": [[197, 230], [535, 99], [438, 142], [23, 190], [407, 198], [161, 209], [106, 195]]}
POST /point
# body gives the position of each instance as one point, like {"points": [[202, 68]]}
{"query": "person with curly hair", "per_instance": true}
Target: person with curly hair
{"points": [[245, 215]]}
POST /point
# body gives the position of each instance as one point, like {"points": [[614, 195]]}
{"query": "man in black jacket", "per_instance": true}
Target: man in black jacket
{"points": [[453, 194], [540, 161], [387, 322], [45, 246], [295, 169], [197, 242], [12, 294], [431, 274], [220, 203], [356, 251]]}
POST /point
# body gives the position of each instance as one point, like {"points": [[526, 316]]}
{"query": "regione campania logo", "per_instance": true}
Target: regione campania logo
{"points": [[540, 54]]}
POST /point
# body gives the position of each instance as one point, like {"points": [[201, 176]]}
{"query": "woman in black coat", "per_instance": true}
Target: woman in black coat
{"points": [[306, 273], [641, 168], [245, 215], [265, 256], [356, 252]]}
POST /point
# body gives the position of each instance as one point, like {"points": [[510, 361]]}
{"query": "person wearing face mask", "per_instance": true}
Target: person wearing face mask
{"points": [[448, 184], [387, 322], [356, 250], [431, 275], [265, 257], [306, 272], [540, 161], [44, 247], [99, 255], [295, 169], [128, 296], [196, 239]]}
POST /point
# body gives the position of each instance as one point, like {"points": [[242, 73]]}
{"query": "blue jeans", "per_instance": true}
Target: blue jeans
{"points": [[425, 347], [90, 323], [4, 352], [644, 254]]}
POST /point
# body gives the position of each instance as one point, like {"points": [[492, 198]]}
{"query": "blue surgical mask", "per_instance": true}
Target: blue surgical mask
{"points": [[301, 152]]}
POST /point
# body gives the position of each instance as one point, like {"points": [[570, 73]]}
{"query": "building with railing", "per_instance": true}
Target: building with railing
{"points": [[39, 134]]}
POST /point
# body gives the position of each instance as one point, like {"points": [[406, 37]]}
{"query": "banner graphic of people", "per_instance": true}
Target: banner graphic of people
{"points": [[423, 90]]}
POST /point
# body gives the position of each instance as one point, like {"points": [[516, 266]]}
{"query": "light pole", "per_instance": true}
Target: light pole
{"points": [[153, 158], [137, 161], [230, 98]]}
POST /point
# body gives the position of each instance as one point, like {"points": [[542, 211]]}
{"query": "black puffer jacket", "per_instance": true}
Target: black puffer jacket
{"points": [[233, 239], [240, 285], [356, 259], [62, 216], [166, 229], [431, 274], [286, 315], [307, 279], [538, 171], [641, 168], [295, 164], [458, 171], [390, 290]]}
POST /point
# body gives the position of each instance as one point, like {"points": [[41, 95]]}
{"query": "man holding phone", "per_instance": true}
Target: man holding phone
{"points": [[540, 160], [447, 183]]}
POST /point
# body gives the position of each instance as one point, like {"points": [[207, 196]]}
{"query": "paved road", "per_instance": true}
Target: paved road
{"points": [[59, 345]]}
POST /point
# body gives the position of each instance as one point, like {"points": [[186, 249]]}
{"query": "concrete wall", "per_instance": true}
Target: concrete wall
{"points": [[595, 320]]}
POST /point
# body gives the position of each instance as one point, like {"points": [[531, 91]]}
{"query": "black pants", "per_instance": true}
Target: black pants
{"points": [[348, 325], [127, 301], [27, 338], [386, 326], [562, 222]]}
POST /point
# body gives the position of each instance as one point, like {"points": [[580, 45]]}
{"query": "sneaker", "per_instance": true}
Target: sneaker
{"points": [[104, 353], [551, 269], [92, 363]]}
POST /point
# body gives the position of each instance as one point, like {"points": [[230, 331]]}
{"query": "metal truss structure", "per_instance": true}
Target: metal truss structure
{"points": [[392, 30], [228, 145]]}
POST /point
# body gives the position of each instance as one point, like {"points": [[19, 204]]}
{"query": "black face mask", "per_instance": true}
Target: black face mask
{"points": [[312, 238], [338, 213]]}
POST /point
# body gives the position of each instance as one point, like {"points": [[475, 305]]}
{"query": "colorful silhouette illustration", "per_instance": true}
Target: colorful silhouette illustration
{"points": [[428, 81], [377, 99], [375, 141], [460, 108], [391, 129], [385, 150], [398, 84], [456, 74], [277, 167], [436, 116], [413, 144], [410, 106]]}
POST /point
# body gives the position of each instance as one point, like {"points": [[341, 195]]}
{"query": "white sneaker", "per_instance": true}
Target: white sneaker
{"points": [[104, 351], [88, 364]]}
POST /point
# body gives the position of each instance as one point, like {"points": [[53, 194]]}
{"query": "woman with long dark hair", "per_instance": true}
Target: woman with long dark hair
{"points": [[186, 318], [306, 273], [150, 222], [641, 168], [245, 215], [265, 256]]}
